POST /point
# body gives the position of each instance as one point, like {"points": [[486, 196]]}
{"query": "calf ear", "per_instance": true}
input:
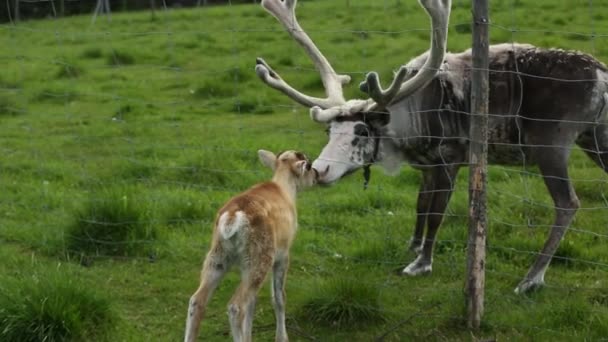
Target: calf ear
{"points": [[267, 158], [301, 167]]}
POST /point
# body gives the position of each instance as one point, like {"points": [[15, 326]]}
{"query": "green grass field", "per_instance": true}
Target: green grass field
{"points": [[135, 131]]}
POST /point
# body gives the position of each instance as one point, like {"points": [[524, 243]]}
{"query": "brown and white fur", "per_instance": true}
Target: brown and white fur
{"points": [[254, 230]]}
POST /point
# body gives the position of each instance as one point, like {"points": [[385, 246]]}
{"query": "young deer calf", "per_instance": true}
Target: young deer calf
{"points": [[254, 230]]}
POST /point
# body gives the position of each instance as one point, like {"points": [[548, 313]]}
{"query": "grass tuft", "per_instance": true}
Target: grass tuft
{"points": [[185, 207], [237, 75], [110, 224], [464, 28], [122, 111], [117, 58], [213, 88], [53, 307], [69, 70], [8, 107], [573, 314], [92, 53], [378, 252], [56, 95], [343, 303], [251, 106], [568, 254]]}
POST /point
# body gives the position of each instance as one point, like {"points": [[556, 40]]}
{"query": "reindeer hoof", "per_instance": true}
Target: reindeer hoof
{"points": [[528, 285], [417, 268]]}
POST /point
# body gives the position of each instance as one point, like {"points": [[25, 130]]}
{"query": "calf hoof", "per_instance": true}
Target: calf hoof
{"points": [[529, 285], [418, 267]]}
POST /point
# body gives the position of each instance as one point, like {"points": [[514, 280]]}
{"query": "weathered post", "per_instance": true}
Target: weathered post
{"points": [[475, 278], [17, 14]]}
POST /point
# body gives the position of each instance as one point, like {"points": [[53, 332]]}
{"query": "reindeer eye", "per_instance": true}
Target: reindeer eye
{"points": [[361, 131]]}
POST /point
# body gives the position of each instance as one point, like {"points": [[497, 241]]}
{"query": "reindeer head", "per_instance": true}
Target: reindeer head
{"points": [[353, 139], [291, 165]]}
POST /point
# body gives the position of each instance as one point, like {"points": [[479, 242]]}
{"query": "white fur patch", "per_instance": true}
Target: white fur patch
{"points": [[418, 267], [600, 95], [228, 226]]}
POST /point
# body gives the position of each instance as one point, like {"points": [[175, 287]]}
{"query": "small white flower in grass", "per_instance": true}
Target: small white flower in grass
{"points": [[192, 91], [337, 255], [390, 213]]}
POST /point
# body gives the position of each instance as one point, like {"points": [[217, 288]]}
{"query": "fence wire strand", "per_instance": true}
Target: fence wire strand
{"points": [[206, 172]]}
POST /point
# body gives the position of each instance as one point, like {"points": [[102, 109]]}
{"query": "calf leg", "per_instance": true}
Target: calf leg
{"points": [[279, 273], [443, 183], [242, 305], [241, 310], [423, 204], [553, 166], [212, 273]]}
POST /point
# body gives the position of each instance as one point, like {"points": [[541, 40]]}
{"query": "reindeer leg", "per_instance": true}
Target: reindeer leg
{"points": [[595, 144], [443, 179], [279, 273], [423, 205], [554, 168], [212, 273]]}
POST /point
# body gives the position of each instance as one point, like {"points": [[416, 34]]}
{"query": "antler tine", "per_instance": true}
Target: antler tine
{"points": [[272, 78], [352, 106], [439, 12], [372, 86], [284, 12]]}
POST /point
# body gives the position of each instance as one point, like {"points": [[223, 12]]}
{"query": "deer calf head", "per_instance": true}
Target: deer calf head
{"points": [[291, 166]]}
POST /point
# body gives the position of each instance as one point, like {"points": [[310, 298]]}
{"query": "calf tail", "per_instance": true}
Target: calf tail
{"points": [[229, 224]]}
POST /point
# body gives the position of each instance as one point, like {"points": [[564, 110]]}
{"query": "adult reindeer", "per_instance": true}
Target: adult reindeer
{"points": [[542, 101]]}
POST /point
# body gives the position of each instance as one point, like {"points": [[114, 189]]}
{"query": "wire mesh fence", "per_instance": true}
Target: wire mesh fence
{"points": [[150, 123]]}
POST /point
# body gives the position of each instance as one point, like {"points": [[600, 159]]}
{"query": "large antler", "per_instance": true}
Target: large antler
{"points": [[284, 11], [439, 11]]}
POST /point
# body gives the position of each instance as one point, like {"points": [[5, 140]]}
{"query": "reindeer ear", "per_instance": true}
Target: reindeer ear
{"points": [[267, 158]]}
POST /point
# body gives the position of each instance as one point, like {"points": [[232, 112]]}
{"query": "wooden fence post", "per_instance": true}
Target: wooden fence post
{"points": [[475, 278], [17, 15]]}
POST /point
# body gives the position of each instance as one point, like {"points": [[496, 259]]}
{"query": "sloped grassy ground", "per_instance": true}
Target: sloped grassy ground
{"points": [[138, 129]]}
